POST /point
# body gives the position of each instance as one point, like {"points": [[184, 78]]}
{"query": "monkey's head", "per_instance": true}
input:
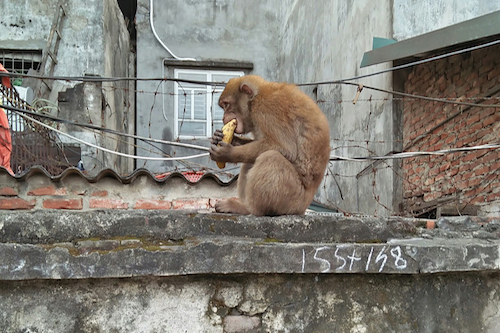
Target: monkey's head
{"points": [[237, 98]]}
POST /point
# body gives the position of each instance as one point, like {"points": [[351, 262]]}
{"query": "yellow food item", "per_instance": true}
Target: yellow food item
{"points": [[228, 132]]}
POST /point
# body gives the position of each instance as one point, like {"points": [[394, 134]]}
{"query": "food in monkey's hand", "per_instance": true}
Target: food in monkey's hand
{"points": [[228, 132]]}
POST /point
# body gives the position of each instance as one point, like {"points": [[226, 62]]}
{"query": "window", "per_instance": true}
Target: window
{"points": [[197, 110], [20, 61]]}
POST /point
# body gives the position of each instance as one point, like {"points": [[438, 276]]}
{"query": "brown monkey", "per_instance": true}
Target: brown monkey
{"points": [[285, 163]]}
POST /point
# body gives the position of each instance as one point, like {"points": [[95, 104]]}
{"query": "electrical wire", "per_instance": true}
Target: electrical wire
{"points": [[57, 119], [151, 15], [414, 154], [91, 78], [28, 118], [418, 62], [441, 100]]}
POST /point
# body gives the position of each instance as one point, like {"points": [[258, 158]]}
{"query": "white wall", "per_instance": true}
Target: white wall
{"points": [[416, 17], [325, 40]]}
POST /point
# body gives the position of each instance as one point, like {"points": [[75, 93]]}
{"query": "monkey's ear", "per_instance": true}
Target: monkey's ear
{"points": [[249, 90]]}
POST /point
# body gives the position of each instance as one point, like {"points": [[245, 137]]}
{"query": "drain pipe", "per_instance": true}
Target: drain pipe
{"points": [[158, 38]]}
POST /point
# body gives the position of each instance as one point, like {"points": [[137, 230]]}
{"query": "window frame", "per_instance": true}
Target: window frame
{"points": [[208, 90]]}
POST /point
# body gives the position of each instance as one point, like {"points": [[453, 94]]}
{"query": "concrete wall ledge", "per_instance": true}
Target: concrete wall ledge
{"points": [[114, 244]]}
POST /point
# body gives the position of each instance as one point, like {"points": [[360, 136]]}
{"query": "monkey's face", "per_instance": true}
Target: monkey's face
{"points": [[236, 106]]}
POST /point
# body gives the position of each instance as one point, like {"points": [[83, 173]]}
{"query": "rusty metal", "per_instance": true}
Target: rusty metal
{"points": [[33, 144]]}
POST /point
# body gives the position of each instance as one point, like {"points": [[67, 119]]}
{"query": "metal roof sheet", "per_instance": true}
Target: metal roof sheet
{"points": [[480, 29]]}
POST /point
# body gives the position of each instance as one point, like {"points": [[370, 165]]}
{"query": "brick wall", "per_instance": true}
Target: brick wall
{"points": [[459, 179], [76, 193]]}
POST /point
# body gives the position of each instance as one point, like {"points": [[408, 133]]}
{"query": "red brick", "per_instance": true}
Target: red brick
{"points": [[99, 194], [451, 172], [439, 178], [434, 172], [472, 119], [47, 190], [474, 182], [482, 170], [76, 204], [444, 166], [469, 157], [450, 139], [461, 185], [493, 196], [191, 204], [429, 181], [8, 191], [478, 199], [490, 156], [430, 224], [16, 203], [476, 127], [431, 196], [489, 120], [153, 204], [107, 204]]}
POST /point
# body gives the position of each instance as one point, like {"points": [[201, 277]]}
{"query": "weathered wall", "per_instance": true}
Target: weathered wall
{"points": [[465, 179], [414, 17], [253, 303], [95, 41], [82, 31], [74, 192], [295, 42], [150, 271], [119, 107], [204, 30], [324, 41]]}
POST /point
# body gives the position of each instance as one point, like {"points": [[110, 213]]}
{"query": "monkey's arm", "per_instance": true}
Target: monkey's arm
{"points": [[239, 141], [246, 153]]}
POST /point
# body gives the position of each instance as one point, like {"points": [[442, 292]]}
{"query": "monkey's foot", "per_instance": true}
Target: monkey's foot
{"points": [[232, 206]]}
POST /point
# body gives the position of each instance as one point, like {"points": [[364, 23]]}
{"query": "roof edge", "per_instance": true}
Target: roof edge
{"points": [[478, 28]]}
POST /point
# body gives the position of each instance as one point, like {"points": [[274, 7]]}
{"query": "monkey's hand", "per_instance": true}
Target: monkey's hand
{"points": [[217, 137], [221, 152]]}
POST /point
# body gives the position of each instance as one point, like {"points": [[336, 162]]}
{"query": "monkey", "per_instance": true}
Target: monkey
{"points": [[285, 162]]}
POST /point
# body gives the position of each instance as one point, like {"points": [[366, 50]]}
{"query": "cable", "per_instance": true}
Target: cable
{"points": [[413, 154], [94, 78], [424, 97], [108, 150], [110, 79], [173, 143], [419, 62], [158, 38]]}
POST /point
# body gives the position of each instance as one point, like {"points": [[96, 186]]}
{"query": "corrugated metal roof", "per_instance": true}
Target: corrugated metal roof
{"points": [[478, 30], [189, 177]]}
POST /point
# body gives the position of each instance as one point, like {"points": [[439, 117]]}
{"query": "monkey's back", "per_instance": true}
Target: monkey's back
{"points": [[299, 127]]}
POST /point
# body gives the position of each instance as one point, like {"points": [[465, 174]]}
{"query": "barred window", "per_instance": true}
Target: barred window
{"points": [[197, 111]]}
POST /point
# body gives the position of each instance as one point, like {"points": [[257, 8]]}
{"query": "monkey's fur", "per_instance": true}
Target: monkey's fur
{"points": [[285, 163]]}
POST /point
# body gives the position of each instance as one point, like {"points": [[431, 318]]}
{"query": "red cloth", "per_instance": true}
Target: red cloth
{"points": [[5, 142], [5, 79], [5, 138]]}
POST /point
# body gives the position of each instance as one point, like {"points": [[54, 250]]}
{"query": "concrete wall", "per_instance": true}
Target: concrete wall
{"points": [[414, 17], [251, 303], [325, 40], [293, 41], [82, 32], [160, 271], [205, 30], [95, 41]]}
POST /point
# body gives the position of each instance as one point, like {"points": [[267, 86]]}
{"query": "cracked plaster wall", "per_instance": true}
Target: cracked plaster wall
{"points": [[255, 303]]}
